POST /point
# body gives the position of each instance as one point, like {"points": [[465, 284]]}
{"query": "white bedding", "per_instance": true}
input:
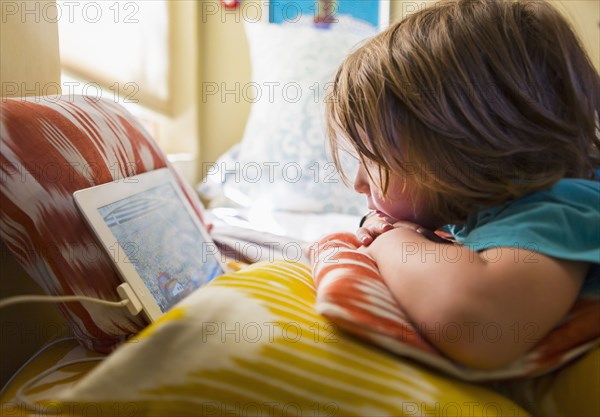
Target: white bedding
{"points": [[247, 236], [297, 226]]}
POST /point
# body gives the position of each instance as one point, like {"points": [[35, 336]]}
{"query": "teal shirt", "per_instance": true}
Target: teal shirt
{"points": [[562, 221]]}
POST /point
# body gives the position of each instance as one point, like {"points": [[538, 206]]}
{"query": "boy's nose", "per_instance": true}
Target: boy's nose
{"points": [[361, 182]]}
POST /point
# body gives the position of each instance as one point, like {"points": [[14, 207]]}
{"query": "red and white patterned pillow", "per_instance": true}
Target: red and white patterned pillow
{"points": [[50, 149], [352, 294]]}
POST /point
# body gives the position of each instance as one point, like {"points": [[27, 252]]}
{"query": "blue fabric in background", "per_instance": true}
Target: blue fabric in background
{"points": [[281, 11]]}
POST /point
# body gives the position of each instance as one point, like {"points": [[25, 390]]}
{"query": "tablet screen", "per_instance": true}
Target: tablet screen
{"points": [[162, 242]]}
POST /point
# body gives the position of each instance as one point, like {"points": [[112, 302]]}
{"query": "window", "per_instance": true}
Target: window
{"points": [[123, 46]]}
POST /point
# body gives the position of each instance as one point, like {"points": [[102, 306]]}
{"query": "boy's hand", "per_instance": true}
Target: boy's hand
{"points": [[376, 225], [372, 227]]}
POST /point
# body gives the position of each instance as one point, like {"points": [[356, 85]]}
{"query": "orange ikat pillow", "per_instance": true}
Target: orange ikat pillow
{"points": [[52, 147], [352, 294]]}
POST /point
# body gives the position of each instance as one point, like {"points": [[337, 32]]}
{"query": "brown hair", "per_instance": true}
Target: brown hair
{"points": [[477, 101]]}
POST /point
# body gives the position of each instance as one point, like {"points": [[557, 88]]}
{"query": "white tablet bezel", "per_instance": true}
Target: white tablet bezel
{"points": [[89, 200]]}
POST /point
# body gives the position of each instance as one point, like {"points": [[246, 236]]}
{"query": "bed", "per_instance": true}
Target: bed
{"points": [[250, 343]]}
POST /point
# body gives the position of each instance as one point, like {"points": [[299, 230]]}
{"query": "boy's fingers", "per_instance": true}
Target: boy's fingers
{"points": [[364, 235], [378, 226], [384, 227], [429, 234], [367, 234]]}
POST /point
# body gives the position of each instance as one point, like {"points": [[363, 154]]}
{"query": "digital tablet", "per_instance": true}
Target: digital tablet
{"points": [[156, 241]]}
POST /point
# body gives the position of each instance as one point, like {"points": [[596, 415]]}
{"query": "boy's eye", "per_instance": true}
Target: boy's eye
{"points": [[371, 165]]}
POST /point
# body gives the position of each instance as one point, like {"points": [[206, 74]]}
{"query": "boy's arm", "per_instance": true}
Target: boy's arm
{"points": [[482, 309]]}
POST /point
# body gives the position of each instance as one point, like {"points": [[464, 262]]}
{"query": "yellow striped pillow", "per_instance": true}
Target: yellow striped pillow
{"points": [[251, 343]]}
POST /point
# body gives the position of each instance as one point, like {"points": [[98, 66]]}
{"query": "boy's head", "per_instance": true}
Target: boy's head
{"points": [[472, 102]]}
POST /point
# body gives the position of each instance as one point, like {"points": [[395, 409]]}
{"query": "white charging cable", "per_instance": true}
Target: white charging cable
{"points": [[30, 405], [131, 304], [21, 397], [128, 299], [59, 299]]}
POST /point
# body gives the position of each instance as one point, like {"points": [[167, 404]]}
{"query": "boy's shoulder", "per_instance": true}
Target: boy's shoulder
{"points": [[561, 221]]}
